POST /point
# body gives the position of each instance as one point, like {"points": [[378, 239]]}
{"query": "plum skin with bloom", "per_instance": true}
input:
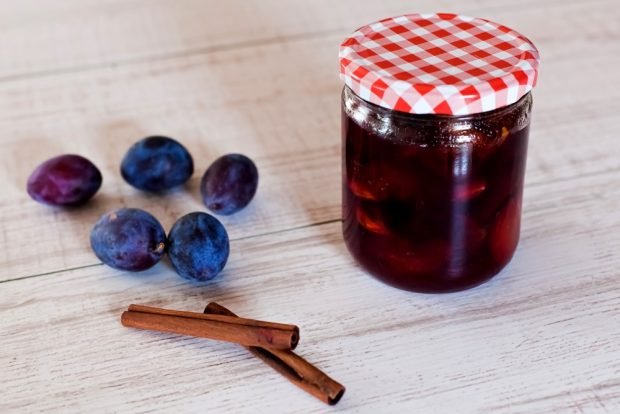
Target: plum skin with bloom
{"points": [[157, 164], [128, 239], [65, 180], [198, 246], [229, 184]]}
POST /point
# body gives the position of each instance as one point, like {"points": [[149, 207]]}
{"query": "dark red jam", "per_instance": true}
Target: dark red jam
{"points": [[432, 203]]}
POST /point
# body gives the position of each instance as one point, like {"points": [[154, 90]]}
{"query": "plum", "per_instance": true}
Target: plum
{"points": [[157, 164], [65, 180], [229, 184], [198, 246], [128, 239], [504, 233]]}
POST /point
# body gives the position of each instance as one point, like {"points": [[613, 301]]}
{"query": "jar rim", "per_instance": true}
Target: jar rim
{"points": [[433, 118]]}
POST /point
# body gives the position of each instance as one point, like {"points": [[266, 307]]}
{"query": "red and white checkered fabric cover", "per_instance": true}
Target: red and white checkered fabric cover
{"points": [[438, 64]]}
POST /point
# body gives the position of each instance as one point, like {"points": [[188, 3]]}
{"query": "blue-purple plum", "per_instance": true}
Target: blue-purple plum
{"points": [[128, 239], [157, 164], [229, 184], [198, 246]]}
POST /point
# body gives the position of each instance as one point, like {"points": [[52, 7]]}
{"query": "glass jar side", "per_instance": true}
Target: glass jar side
{"points": [[432, 203]]}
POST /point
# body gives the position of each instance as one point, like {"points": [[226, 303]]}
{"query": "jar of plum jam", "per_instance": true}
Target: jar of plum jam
{"points": [[435, 118]]}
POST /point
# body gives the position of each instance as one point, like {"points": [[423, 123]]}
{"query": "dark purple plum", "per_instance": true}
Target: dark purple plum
{"points": [[128, 239], [229, 184], [157, 164], [65, 180], [198, 246]]}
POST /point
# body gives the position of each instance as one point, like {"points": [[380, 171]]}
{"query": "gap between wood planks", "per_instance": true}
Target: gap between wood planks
{"points": [[291, 38], [174, 55], [305, 226], [51, 272]]}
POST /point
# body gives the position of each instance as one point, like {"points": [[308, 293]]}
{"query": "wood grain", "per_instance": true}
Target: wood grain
{"points": [[539, 337], [91, 77], [77, 35], [211, 104]]}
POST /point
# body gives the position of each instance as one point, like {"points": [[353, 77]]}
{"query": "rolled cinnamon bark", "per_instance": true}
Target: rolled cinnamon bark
{"points": [[293, 367], [242, 331]]}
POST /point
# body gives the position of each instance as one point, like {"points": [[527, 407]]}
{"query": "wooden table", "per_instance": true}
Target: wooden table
{"points": [[93, 76]]}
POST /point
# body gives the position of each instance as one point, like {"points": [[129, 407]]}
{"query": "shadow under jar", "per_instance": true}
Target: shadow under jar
{"points": [[432, 200]]}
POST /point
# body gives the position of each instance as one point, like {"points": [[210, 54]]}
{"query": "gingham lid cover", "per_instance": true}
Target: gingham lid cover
{"points": [[438, 64]]}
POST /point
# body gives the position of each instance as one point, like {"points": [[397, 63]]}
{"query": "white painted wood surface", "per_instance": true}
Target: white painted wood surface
{"points": [[93, 76]]}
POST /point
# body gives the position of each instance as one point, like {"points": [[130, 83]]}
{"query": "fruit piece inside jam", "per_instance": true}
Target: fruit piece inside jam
{"points": [[432, 203]]}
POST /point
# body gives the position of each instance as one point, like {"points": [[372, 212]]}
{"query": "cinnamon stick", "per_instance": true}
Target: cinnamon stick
{"points": [[293, 367], [243, 331]]}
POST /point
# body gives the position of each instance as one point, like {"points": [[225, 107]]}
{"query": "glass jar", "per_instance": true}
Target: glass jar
{"points": [[432, 200]]}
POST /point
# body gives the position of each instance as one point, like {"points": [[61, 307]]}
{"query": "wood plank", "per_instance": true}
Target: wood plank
{"points": [[540, 337], [284, 114], [92, 76], [69, 35]]}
